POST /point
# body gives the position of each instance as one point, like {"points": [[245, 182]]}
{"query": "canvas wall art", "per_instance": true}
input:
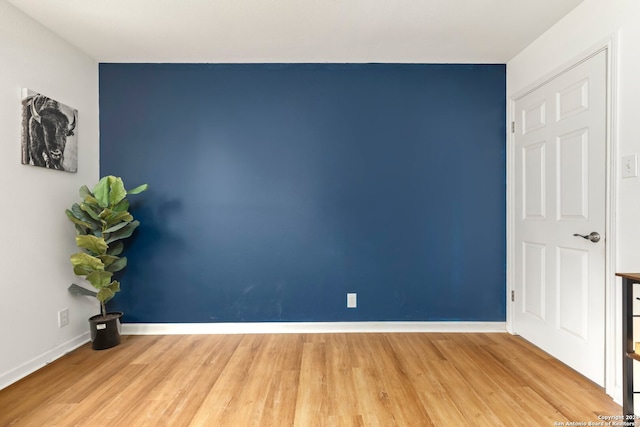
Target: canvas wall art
{"points": [[49, 133]]}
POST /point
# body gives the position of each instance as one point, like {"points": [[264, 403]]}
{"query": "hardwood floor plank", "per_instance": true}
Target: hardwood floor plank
{"points": [[398, 385], [311, 399], [491, 386], [278, 409], [554, 382], [421, 357], [468, 400], [306, 380]]}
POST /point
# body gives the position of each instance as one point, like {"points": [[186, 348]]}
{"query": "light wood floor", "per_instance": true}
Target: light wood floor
{"points": [[306, 380]]}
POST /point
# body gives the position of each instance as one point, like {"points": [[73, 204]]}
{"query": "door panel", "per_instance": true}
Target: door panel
{"points": [[573, 182], [573, 275], [533, 117], [534, 190], [534, 280], [573, 100]]}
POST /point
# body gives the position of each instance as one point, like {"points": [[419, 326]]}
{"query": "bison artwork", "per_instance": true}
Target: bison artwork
{"points": [[48, 133]]}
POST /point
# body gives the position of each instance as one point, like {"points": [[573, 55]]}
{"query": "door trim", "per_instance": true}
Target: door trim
{"points": [[613, 382]]}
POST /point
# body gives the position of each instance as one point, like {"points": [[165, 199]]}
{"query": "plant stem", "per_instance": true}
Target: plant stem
{"points": [[103, 309]]}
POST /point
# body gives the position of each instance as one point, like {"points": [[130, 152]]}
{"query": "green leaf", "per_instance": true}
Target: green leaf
{"points": [[99, 279], [82, 216], [92, 200], [123, 206], [139, 189], [117, 191], [104, 214], [84, 259], [115, 249], [93, 244], [107, 260], [108, 292], [116, 227], [87, 208], [84, 192], [117, 265], [105, 294], [124, 232], [77, 221], [76, 290], [115, 286], [101, 192], [83, 270], [114, 218]]}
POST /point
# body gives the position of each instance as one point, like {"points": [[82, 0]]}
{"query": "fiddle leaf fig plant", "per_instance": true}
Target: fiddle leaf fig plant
{"points": [[102, 220]]}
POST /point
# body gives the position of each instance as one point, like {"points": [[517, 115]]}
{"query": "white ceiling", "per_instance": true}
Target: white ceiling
{"points": [[471, 31]]}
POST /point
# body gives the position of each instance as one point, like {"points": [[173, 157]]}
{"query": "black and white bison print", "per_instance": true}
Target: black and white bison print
{"points": [[49, 134]]}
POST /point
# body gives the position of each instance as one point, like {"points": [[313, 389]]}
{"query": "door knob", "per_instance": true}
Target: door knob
{"points": [[593, 236]]}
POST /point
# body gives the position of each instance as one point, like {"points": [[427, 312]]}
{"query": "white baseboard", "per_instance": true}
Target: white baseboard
{"points": [[308, 327], [616, 395], [38, 362]]}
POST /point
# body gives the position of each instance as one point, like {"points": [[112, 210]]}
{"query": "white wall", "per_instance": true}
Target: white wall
{"points": [[586, 26], [36, 238]]}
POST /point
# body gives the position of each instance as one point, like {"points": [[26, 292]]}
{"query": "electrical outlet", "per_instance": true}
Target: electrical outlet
{"points": [[352, 300], [63, 317], [629, 166]]}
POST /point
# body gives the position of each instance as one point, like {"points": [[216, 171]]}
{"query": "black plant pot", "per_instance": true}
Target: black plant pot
{"points": [[105, 333]]}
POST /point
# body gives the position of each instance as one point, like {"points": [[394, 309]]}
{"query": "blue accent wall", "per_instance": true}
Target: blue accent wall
{"points": [[275, 189]]}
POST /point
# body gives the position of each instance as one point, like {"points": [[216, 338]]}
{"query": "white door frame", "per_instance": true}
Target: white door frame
{"points": [[613, 337]]}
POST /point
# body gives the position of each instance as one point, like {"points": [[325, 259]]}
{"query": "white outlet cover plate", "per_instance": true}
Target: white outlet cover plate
{"points": [[352, 300], [63, 317], [630, 166]]}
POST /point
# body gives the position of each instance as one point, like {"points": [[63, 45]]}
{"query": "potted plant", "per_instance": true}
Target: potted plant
{"points": [[102, 220]]}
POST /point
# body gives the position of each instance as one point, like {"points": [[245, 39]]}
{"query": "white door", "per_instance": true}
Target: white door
{"points": [[560, 182]]}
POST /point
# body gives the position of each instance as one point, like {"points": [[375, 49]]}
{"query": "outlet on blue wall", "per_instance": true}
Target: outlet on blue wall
{"points": [[275, 189]]}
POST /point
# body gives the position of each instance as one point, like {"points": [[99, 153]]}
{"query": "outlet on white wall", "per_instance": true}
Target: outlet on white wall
{"points": [[630, 166], [352, 300], [63, 317]]}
